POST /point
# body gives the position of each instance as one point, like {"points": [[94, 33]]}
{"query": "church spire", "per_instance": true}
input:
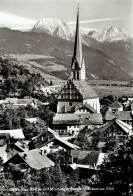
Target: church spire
{"points": [[78, 67]]}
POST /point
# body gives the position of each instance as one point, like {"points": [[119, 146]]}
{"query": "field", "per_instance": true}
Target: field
{"points": [[117, 91]]}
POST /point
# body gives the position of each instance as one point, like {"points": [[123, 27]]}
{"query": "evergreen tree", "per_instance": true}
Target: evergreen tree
{"points": [[116, 171]]}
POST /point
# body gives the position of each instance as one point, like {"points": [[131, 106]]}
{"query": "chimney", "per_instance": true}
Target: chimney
{"points": [[41, 152], [25, 155]]}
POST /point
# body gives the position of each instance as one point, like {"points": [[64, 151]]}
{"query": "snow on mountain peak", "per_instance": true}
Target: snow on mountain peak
{"points": [[55, 27], [110, 34], [58, 28]]}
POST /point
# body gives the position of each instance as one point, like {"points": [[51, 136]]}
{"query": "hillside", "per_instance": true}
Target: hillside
{"points": [[51, 56]]}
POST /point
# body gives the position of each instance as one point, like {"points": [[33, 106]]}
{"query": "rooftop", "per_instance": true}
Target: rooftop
{"points": [[2, 150], [55, 136], [116, 104], [85, 157], [35, 160], [85, 89], [15, 133], [31, 120], [91, 161], [23, 101], [21, 146], [88, 107], [104, 128], [127, 128], [101, 144], [75, 118], [121, 115]]}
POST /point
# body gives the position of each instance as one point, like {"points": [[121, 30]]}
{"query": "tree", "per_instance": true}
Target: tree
{"points": [[110, 143], [82, 140], [117, 169]]}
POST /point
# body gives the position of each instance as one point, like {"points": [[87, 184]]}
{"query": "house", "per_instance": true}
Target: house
{"points": [[115, 106], [15, 95], [132, 108], [86, 160], [3, 153], [30, 159], [125, 116], [101, 146], [17, 147], [72, 123], [126, 105], [34, 120], [14, 133], [15, 102], [8, 101], [130, 99], [51, 89], [49, 142], [25, 102], [115, 130]]}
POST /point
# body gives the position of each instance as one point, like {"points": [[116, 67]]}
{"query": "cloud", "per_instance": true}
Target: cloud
{"points": [[14, 21], [97, 20]]}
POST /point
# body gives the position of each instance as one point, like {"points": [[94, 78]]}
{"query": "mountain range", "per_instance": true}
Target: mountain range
{"points": [[48, 48], [58, 28]]}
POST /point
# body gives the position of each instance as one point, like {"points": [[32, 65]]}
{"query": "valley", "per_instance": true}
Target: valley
{"points": [[43, 53]]}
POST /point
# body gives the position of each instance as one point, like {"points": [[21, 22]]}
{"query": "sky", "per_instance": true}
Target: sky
{"points": [[94, 14]]}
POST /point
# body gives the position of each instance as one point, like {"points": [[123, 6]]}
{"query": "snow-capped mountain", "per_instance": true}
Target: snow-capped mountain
{"points": [[110, 34], [58, 28], [54, 27]]}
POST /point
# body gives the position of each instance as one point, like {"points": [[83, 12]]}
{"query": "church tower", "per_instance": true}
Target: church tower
{"points": [[78, 65]]}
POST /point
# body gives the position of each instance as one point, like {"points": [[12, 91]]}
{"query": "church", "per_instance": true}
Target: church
{"points": [[77, 91], [77, 100]]}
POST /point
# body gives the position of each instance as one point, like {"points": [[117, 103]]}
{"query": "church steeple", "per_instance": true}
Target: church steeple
{"points": [[77, 66]]}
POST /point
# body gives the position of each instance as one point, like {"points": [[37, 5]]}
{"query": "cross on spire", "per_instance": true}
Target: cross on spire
{"points": [[78, 7]]}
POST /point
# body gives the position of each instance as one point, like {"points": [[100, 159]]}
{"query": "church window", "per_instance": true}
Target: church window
{"points": [[76, 65], [74, 75], [77, 75], [70, 104]]}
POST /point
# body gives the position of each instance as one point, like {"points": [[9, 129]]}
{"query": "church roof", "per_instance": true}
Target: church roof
{"points": [[85, 89], [77, 56]]}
